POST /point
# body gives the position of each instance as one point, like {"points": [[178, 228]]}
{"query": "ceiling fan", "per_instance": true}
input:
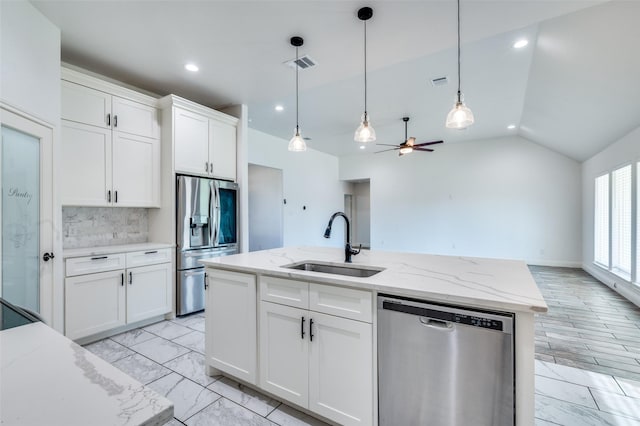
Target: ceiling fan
{"points": [[409, 145]]}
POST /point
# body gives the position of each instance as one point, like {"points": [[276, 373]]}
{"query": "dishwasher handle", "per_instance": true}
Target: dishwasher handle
{"points": [[437, 324]]}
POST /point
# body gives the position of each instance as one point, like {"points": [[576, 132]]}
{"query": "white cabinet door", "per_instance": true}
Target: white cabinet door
{"points": [[84, 105], [231, 324], [341, 370], [223, 150], [148, 291], [136, 171], [284, 352], [94, 303], [134, 118], [191, 137], [86, 165]]}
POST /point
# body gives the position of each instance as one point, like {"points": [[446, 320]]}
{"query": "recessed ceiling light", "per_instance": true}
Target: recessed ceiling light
{"points": [[279, 108], [361, 146], [191, 67], [520, 44], [511, 126]]}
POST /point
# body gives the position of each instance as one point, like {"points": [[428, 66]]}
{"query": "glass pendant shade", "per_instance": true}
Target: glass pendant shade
{"points": [[460, 117], [297, 144], [365, 132]]}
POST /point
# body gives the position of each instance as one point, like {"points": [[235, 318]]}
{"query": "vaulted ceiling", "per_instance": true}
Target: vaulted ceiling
{"points": [[573, 89]]}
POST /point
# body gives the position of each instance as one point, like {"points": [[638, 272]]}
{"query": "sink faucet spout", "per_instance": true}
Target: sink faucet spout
{"points": [[348, 250]]}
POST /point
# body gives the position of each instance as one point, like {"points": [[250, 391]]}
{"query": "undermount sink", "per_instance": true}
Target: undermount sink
{"points": [[328, 268]]}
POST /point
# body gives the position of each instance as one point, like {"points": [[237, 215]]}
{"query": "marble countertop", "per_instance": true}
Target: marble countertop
{"points": [[505, 285], [49, 380], [97, 251]]}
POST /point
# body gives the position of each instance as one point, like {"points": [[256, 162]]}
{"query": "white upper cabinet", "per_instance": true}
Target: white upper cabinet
{"points": [[136, 170], [191, 133], [204, 140], [111, 145], [222, 150], [84, 105], [86, 165]]}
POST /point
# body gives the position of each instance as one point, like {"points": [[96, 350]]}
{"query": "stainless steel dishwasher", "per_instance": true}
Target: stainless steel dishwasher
{"points": [[444, 365]]}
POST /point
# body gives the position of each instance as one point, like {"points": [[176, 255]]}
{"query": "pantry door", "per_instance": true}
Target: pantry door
{"points": [[26, 212]]}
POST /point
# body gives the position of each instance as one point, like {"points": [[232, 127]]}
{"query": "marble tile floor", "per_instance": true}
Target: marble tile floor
{"points": [[173, 365], [588, 325]]}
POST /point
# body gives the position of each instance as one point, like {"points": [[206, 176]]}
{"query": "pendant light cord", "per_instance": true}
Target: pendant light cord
{"points": [[459, 51], [297, 66], [365, 70]]}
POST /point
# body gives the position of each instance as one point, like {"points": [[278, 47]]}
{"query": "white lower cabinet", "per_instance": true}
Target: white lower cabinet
{"points": [[231, 317], [284, 352], [148, 294], [318, 361], [112, 295], [94, 303]]}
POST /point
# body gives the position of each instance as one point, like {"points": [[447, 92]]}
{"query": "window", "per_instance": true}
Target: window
{"points": [[601, 221], [616, 240], [621, 220]]}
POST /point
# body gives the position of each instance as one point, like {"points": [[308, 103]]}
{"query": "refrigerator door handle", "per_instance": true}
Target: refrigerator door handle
{"points": [[213, 223], [217, 243]]}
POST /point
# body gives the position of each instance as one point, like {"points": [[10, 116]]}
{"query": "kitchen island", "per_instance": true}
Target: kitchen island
{"points": [[256, 302], [46, 379]]}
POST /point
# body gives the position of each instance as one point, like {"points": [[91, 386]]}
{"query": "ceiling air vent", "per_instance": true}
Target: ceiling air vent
{"points": [[440, 81], [303, 63]]}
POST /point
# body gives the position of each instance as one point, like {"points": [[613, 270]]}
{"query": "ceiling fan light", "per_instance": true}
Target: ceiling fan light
{"points": [[406, 150], [365, 132], [297, 144], [460, 116]]}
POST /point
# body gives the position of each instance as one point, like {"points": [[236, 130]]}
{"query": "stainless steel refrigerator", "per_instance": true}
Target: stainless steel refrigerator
{"points": [[207, 226]]}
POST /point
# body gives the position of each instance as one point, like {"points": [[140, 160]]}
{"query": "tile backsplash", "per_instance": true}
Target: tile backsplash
{"points": [[103, 226]]}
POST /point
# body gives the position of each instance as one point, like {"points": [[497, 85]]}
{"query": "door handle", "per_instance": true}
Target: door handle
{"points": [[302, 328], [99, 257], [206, 284], [47, 256], [206, 166], [311, 329], [122, 279], [108, 120], [109, 196], [130, 278], [116, 196], [115, 121]]}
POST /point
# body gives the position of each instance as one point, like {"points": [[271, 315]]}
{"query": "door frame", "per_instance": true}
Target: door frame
{"points": [[49, 234]]}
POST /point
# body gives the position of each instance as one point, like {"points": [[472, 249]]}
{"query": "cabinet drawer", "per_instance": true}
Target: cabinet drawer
{"points": [[149, 257], [285, 292], [91, 264], [340, 301]]}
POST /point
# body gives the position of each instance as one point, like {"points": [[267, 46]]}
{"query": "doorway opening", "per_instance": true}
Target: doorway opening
{"points": [[265, 208]]}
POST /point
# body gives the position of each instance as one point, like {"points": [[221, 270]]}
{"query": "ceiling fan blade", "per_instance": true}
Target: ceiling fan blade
{"points": [[386, 144], [392, 149], [422, 149], [428, 143]]}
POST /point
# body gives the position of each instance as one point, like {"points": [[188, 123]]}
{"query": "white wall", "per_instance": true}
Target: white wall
{"points": [[30, 82], [505, 198], [622, 152], [309, 179]]}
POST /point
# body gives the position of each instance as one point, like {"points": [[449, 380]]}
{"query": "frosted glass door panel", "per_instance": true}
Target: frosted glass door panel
{"points": [[20, 218]]}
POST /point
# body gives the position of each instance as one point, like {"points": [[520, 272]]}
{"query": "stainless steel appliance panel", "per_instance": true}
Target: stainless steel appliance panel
{"points": [[189, 259], [444, 366], [190, 295], [225, 213], [194, 204]]}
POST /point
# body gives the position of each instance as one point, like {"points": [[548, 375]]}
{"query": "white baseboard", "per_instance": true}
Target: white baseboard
{"points": [[624, 288], [557, 263]]}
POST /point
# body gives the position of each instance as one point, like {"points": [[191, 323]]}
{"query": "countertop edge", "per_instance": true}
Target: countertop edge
{"points": [[361, 283]]}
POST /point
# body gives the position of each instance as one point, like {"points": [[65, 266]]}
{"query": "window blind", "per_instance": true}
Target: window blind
{"points": [[601, 221], [621, 219]]}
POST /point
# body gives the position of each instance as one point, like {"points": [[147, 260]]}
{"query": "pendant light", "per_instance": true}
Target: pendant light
{"points": [[365, 132], [297, 144], [460, 117]]}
